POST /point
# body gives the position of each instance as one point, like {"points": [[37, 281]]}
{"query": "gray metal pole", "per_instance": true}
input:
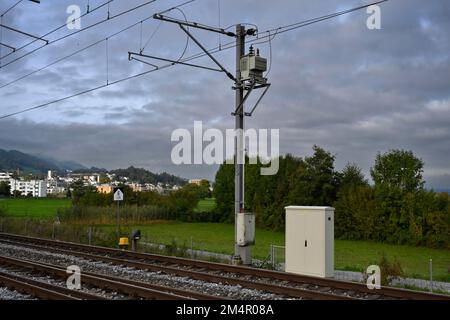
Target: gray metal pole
{"points": [[431, 275], [117, 224], [242, 254]]}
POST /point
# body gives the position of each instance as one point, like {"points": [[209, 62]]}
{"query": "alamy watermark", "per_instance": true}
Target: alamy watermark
{"points": [[191, 148], [74, 280], [374, 278], [374, 20], [74, 19]]}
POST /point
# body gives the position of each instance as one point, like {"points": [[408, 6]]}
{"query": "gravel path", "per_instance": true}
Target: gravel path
{"points": [[419, 283], [7, 294]]}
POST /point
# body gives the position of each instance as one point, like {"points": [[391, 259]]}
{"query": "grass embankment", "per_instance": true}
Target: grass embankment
{"points": [[206, 205], [44, 208], [349, 255]]}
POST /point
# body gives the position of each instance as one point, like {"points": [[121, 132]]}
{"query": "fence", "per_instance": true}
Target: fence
{"points": [[277, 256]]}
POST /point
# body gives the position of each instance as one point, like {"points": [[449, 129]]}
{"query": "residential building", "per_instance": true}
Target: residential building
{"points": [[197, 182], [36, 188], [105, 188], [5, 176]]}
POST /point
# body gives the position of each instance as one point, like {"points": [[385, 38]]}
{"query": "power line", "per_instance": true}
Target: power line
{"points": [[100, 41], [10, 8], [73, 54], [84, 29], [305, 23], [177, 6], [195, 56], [56, 29]]}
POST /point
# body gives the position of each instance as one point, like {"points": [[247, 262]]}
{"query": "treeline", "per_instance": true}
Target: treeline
{"points": [[144, 176], [395, 209], [88, 204]]}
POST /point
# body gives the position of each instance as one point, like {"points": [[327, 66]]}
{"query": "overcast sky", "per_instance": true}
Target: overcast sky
{"points": [[353, 91]]}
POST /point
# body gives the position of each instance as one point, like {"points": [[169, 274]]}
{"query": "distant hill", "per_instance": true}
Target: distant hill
{"points": [[13, 160], [26, 163], [144, 176]]}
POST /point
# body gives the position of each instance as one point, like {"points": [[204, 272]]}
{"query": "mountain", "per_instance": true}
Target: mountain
{"points": [[13, 159]]}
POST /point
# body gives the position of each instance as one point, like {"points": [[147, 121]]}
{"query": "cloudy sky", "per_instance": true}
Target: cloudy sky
{"points": [[353, 91]]}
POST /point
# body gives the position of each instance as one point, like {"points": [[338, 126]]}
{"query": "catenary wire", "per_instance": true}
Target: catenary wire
{"points": [[10, 8], [283, 30], [82, 30], [56, 29]]}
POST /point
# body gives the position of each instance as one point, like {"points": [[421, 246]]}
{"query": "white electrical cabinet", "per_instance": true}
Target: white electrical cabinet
{"points": [[310, 241], [245, 229]]}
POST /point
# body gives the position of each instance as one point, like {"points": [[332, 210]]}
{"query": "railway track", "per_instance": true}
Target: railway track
{"points": [[284, 284], [20, 275], [41, 290]]}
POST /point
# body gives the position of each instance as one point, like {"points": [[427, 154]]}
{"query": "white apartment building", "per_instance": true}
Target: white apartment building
{"points": [[38, 188], [5, 176]]}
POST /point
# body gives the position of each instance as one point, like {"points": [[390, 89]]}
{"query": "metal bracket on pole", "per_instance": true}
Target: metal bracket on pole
{"points": [[24, 33], [130, 54], [249, 91], [7, 46], [144, 62], [249, 114], [193, 25], [207, 53]]}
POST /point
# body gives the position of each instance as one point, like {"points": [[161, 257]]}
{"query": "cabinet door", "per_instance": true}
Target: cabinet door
{"points": [[295, 237], [314, 243], [300, 240]]}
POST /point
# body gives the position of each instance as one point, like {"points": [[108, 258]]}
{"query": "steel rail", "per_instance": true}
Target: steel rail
{"points": [[133, 289], [35, 288], [61, 272]]}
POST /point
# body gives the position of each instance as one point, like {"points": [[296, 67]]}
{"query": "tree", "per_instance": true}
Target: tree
{"points": [[316, 181], [399, 187], [224, 191], [104, 179], [353, 199], [17, 194], [312, 181], [5, 189], [79, 190], [204, 190], [399, 169], [352, 177]]}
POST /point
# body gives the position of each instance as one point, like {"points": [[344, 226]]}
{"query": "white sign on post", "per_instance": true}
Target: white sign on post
{"points": [[118, 195]]}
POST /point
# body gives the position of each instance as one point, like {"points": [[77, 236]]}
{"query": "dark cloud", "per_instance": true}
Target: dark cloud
{"points": [[353, 91]]}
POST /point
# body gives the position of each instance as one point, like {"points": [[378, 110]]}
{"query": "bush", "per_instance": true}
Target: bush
{"points": [[389, 270]]}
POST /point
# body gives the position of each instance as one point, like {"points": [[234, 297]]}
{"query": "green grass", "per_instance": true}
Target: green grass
{"points": [[45, 208], [206, 205], [349, 255]]}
